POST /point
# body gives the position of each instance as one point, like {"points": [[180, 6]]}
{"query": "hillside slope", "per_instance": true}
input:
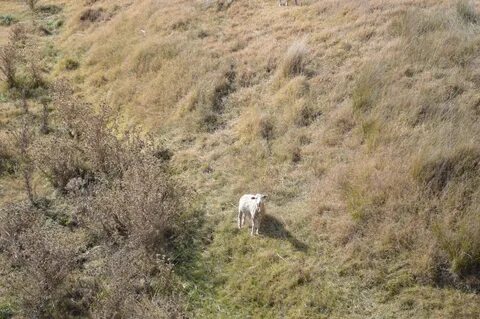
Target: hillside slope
{"points": [[359, 119]]}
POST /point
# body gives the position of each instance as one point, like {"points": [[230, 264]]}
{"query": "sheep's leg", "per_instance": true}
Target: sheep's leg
{"points": [[241, 219], [253, 225]]}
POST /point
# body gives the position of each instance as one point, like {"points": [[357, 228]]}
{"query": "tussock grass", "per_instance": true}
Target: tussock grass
{"points": [[460, 164], [367, 90], [438, 37], [460, 242], [69, 64], [364, 141], [294, 61], [466, 11]]}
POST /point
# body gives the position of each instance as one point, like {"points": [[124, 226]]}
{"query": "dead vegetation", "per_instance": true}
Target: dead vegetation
{"points": [[114, 196], [364, 134]]}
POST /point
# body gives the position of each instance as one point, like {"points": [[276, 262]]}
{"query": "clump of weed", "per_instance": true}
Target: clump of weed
{"points": [[6, 311], [7, 20], [69, 64]]}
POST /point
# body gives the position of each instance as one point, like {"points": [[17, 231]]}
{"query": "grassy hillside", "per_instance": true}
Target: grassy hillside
{"points": [[358, 119]]}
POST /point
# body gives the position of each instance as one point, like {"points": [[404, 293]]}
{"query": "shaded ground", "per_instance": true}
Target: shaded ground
{"points": [[272, 227]]}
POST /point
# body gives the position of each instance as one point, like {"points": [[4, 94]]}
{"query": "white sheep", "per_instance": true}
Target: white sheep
{"points": [[254, 207]]}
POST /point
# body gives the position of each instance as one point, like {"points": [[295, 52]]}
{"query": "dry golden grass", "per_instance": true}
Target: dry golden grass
{"points": [[359, 119], [349, 107]]}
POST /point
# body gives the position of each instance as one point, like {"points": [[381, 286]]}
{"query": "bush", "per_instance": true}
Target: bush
{"points": [[42, 253], [60, 160], [84, 145], [141, 207], [116, 190], [138, 285]]}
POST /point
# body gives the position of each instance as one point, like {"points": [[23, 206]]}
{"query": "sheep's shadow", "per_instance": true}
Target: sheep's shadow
{"points": [[274, 228]]}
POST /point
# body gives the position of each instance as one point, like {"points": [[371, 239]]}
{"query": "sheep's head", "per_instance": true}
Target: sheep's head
{"points": [[260, 200]]}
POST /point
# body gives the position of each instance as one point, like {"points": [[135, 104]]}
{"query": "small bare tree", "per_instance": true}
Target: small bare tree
{"points": [[23, 139], [44, 129], [43, 256], [18, 36], [8, 60], [10, 55], [23, 101]]}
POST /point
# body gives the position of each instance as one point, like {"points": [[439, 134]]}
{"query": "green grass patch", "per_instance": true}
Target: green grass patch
{"points": [[7, 20]]}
